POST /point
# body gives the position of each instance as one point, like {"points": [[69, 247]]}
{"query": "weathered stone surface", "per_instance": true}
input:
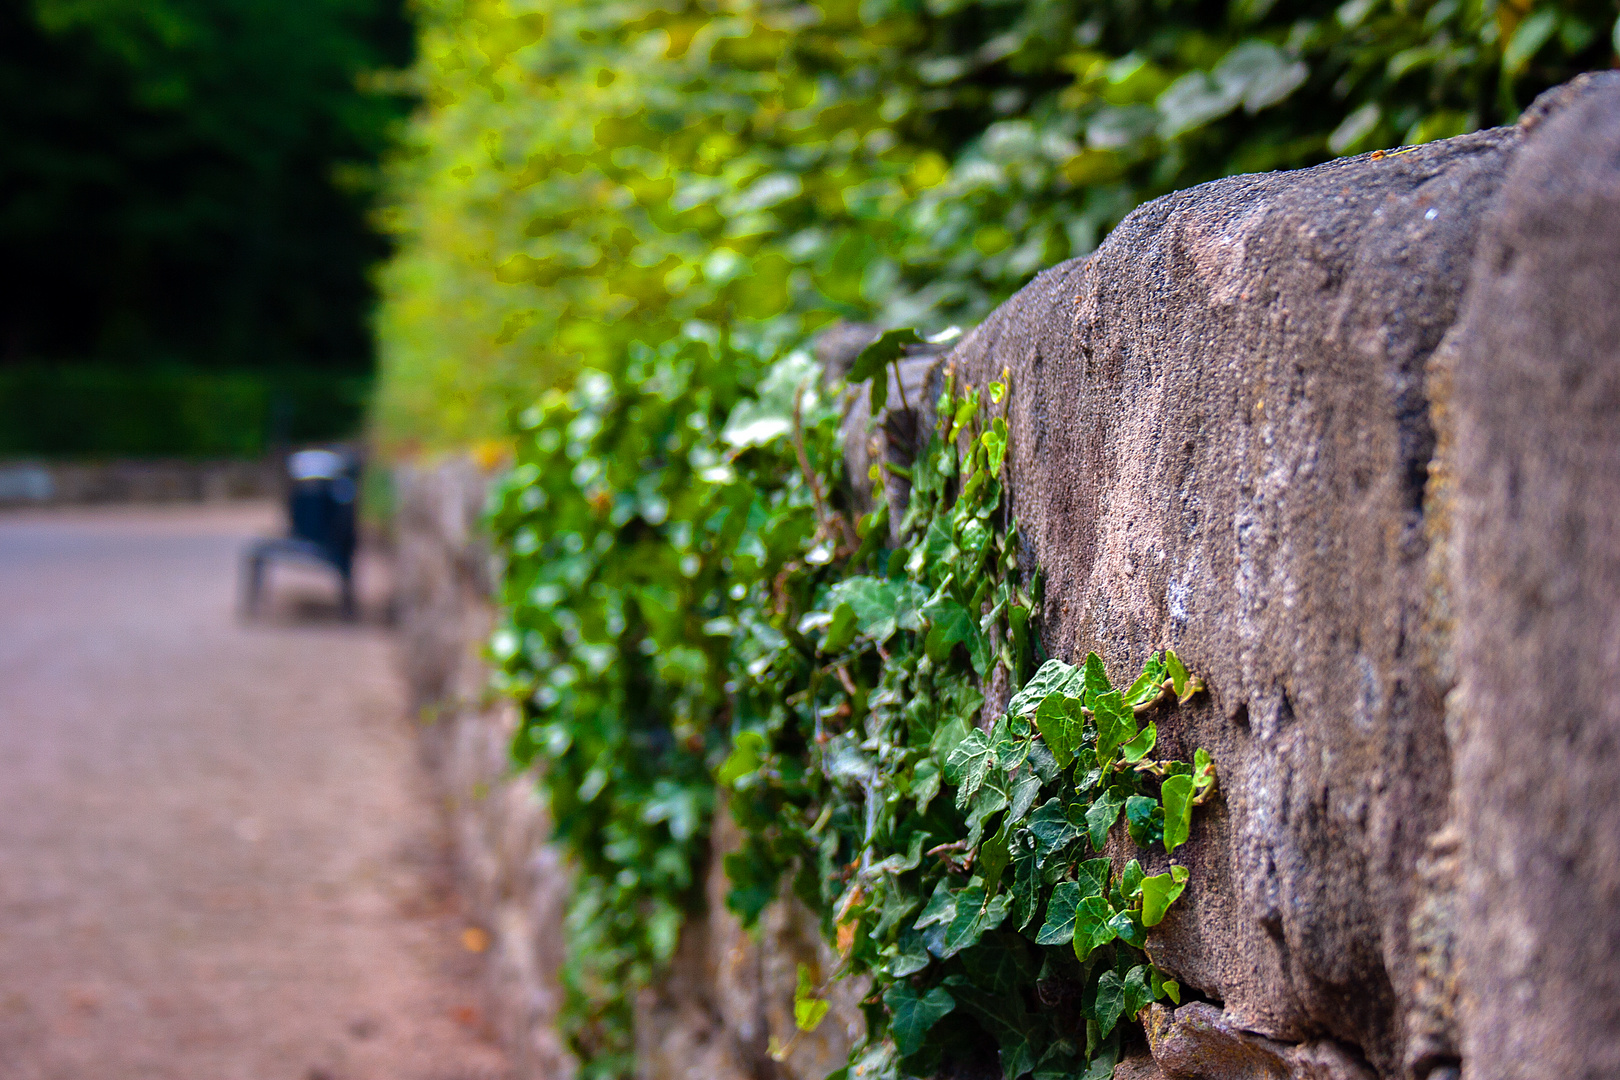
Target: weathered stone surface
{"points": [[1222, 438], [1533, 452], [513, 882]]}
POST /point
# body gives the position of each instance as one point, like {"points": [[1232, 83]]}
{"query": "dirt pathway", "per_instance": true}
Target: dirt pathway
{"points": [[218, 857]]}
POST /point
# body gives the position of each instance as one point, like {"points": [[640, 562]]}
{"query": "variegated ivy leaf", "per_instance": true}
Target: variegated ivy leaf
{"points": [[1054, 677]]}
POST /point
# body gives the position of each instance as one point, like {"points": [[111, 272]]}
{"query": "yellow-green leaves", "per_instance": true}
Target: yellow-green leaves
{"points": [[1159, 892], [1177, 795], [809, 1010]]}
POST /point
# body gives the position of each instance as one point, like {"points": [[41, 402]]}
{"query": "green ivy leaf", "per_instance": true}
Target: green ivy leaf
{"points": [[1054, 677], [744, 760], [1203, 773], [841, 631], [1128, 928], [1102, 815], [941, 907], [1138, 990], [913, 1014], [1109, 1003], [951, 624], [1116, 723], [1092, 929], [1138, 748], [1177, 795], [1059, 925], [1096, 679], [1159, 892], [1144, 819], [808, 1011], [1093, 877], [1148, 685], [968, 764], [1052, 830], [1062, 724], [876, 357]]}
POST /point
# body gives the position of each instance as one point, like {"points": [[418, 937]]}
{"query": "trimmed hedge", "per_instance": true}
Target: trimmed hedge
{"points": [[102, 411]]}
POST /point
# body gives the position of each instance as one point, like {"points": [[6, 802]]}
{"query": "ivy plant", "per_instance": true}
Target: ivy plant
{"points": [[691, 601], [962, 865]]}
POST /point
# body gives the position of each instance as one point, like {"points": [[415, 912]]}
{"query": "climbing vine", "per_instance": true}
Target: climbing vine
{"points": [[958, 865], [691, 600]]}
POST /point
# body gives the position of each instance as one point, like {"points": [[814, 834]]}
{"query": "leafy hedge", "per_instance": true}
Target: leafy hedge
{"points": [[90, 410], [690, 602], [587, 173]]}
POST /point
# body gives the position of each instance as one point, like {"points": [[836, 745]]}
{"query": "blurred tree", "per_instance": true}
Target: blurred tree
{"points": [[187, 181], [586, 173]]}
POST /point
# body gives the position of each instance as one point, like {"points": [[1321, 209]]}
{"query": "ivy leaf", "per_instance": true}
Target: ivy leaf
{"points": [[1177, 794], [1138, 990], [1096, 679], [1094, 877], [1148, 685], [1026, 788], [1139, 819], [993, 857], [951, 624], [808, 1010], [1054, 677], [1137, 748], [841, 631], [1159, 892], [1128, 928], [1116, 723], [880, 607], [973, 917], [744, 760], [1109, 1001], [941, 907], [1052, 830], [876, 357], [967, 765], [925, 781], [910, 955], [1026, 880], [912, 1014], [1016, 1059], [1102, 815], [1130, 879], [1184, 685], [994, 442], [1062, 725], [1059, 925], [1203, 773], [1091, 925]]}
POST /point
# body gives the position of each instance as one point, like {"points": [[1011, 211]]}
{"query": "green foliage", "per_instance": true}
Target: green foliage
{"points": [[856, 740], [649, 512], [187, 180], [687, 603], [589, 172]]}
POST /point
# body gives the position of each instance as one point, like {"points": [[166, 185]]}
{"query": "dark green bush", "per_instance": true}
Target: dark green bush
{"points": [[102, 411]]}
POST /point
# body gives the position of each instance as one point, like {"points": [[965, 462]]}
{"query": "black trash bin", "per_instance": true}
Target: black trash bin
{"points": [[321, 497]]}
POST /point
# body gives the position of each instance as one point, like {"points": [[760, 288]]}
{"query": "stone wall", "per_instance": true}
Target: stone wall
{"points": [[1348, 439]]}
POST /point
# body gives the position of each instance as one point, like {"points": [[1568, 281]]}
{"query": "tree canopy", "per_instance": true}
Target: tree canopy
{"points": [[187, 181]]}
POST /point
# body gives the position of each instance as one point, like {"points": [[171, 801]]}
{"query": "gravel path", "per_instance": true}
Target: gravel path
{"points": [[218, 855]]}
